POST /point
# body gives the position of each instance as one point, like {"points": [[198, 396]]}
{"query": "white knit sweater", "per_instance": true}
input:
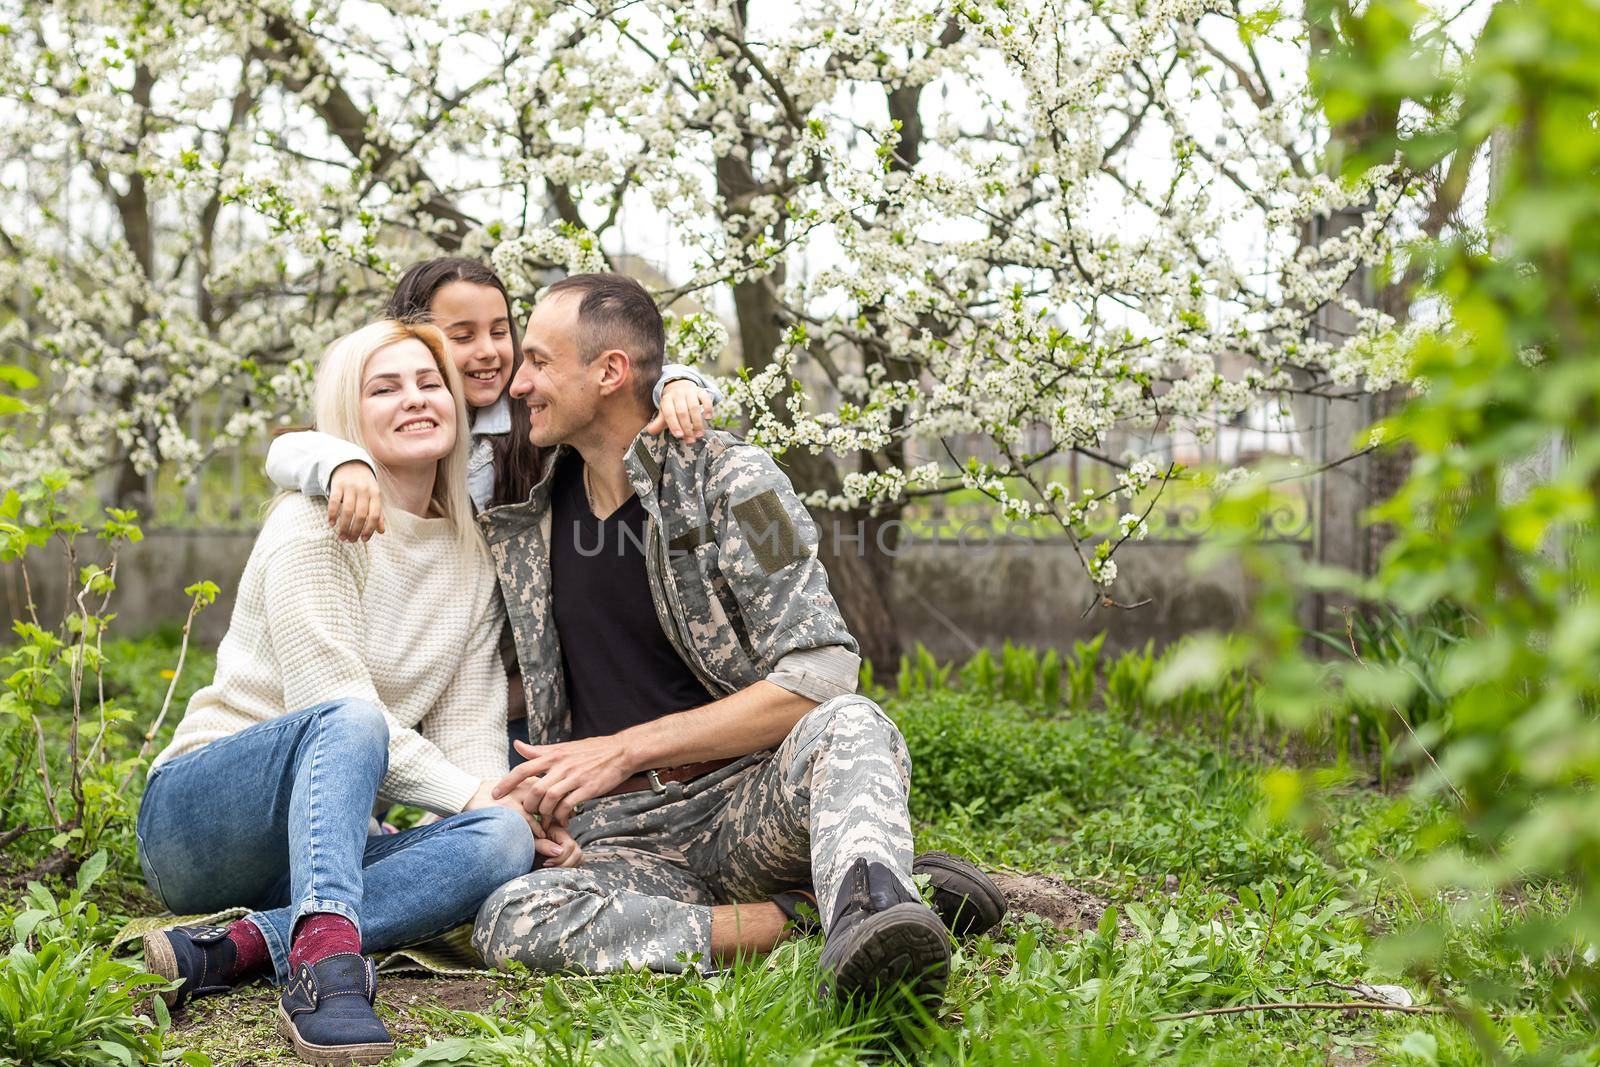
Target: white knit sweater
{"points": [[410, 621]]}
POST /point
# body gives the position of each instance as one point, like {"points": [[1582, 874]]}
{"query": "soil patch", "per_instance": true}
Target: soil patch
{"points": [[404, 995], [1058, 903]]}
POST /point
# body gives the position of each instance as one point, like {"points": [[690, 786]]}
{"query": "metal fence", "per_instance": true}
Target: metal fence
{"points": [[230, 486]]}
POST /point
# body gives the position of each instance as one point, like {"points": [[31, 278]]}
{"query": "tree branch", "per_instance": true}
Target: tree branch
{"points": [[1331, 1005], [285, 48]]}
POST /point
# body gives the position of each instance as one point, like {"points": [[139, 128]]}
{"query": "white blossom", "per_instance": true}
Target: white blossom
{"points": [[1062, 259]]}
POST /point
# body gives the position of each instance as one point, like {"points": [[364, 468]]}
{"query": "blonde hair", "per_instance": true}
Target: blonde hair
{"points": [[337, 407]]}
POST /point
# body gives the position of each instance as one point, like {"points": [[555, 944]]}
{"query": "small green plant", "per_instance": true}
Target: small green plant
{"points": [[1128, 681], [1082, 671], [64, 999], [920, 672], [979, 674], [1383, 640], [1020, 674], [1050, 679]]}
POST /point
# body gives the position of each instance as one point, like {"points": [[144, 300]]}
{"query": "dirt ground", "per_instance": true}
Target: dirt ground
{"points": [[1056, 901], [239, 1030]]}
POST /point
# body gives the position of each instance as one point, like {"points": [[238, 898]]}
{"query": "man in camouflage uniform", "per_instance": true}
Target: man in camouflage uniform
{"points": [[700, 823]]}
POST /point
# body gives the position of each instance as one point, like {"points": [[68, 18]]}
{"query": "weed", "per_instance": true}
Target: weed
{"points": [[64, 999]]}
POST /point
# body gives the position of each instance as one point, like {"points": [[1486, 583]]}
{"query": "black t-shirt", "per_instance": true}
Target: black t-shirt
{"points": [[620, 668]]}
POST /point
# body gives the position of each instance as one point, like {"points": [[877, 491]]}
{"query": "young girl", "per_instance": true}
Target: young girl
{"points": [[469, 303], [348, 672]]}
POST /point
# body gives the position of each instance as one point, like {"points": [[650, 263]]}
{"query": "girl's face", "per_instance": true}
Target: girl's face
{"points": [[477, 337], [408, 416]]}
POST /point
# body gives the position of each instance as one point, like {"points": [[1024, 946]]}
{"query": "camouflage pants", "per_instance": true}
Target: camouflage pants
{"points": [[834, 790]]}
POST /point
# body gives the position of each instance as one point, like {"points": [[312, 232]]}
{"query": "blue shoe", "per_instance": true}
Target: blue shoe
{"points": [[326, 1012], [200, 956]]}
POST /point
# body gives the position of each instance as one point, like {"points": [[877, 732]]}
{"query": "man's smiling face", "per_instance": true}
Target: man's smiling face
{"points": [[561, 392]]}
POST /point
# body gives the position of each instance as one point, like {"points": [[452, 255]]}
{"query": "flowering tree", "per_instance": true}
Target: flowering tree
{"points": [[953, 222]]}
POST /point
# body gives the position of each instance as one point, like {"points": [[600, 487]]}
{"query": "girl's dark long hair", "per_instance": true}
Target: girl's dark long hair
{"points": [[518, 462]]}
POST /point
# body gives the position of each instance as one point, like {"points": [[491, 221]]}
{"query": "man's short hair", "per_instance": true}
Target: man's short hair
{"points": [[614, 311]]}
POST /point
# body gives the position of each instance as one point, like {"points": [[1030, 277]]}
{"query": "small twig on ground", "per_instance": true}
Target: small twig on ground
{"points": [[172, 687], [1345, 987], [1329, 1005]]}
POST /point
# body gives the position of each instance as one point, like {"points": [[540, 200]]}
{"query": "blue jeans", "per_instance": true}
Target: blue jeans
{"points": [[275, 818]]}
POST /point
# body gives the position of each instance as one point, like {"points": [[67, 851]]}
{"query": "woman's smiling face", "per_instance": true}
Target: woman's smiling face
{"points": [[408, 417], [477, 337]]}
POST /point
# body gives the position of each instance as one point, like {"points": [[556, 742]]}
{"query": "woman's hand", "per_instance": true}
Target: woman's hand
{"points": [[559, 848], [485, 798], [556, 843], [355, 505], [685, 407]]}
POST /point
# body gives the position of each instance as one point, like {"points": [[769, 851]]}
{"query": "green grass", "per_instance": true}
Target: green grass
{"points": [[1214, 903]]}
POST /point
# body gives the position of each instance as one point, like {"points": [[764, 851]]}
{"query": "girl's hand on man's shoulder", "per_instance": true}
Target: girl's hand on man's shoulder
{"points": [[355, 502], [685, 410]]}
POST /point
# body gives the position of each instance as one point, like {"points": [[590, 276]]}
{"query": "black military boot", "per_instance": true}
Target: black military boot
{"points": [[882, 936], [963, 896]]}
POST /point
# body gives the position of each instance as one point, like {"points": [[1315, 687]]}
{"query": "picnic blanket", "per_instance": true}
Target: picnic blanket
{"points": [[450, 955]]}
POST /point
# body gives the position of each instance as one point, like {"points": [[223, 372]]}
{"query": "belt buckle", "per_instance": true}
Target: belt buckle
{"points": [[656, 787]]}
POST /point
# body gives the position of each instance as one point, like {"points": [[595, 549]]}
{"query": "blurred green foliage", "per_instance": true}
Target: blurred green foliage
{"points": [[1495, 527]]}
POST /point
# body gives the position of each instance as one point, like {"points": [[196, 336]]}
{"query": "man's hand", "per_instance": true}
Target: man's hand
{"points": [[355, 505], [685, 407], [555, 779], [556, 845]]}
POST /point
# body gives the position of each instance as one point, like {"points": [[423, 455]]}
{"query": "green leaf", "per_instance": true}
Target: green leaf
{"points": [[90, 872], [23, 925], [18, 377]]}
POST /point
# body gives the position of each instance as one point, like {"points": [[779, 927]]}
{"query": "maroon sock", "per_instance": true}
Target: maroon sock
{"points": [[249, 950], [320, 935]]}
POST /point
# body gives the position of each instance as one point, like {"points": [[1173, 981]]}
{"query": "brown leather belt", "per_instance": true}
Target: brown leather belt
{"points": [[656, 781]]}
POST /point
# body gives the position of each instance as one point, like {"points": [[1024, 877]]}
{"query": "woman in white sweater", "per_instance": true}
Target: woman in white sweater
{"points": [[349, 673]]}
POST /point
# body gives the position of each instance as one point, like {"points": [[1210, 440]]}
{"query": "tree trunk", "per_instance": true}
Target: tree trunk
{"points": [[858, 549], [859, 569], [1342, 538], [130, 489]]}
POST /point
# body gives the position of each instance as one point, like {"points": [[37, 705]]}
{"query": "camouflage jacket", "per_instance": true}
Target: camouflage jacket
{"points": [[731, 556]]}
